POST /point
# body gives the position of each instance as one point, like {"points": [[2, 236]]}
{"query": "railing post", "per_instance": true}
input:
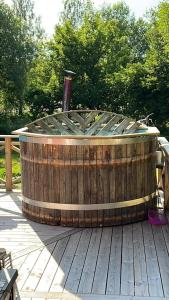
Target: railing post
{"points": [[8, 163], [166, 184], [164, 145]]}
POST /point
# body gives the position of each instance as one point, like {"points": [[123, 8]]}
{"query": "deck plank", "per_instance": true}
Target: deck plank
{"points": [[38, 269], [74, 276], [27, 267], [70, 296], [86, 281], [52, 266], [140, 271], [127, 273], [17, 232], [165, 230], [113, 280], [153, 271], [17, 263], [100, 277], [163, 258], [65, 264]]}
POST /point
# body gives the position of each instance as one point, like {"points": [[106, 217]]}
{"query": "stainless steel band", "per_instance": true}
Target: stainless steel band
{"points": [[85, 141], [88, 207]]}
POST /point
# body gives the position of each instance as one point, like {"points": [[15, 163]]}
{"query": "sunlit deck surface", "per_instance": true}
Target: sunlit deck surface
{"points": [[119, 263]]}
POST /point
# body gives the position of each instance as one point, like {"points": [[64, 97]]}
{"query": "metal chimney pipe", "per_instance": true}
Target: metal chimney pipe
{"points": [[69, 75]]}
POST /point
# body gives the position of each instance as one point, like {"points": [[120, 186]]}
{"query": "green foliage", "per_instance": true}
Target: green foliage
{"points": [[9, 122], [157, 64], [74, 11], [17, 49], [122, 63], [24, 10], [41, 94], [10, 49], [16, 169], [97, 51]]}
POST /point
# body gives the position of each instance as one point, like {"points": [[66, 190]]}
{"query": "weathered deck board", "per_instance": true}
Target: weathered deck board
{"points": [[38, 269], [18, 233], [127, 272], [153, 272], [26, 267], [163, 258], [74, 276], [65, 264], [165, 230], [113, 279], [17, 264], [53, 265], [140, 271], [69, 296], [86, 281], [100, 277], [118, 263]]}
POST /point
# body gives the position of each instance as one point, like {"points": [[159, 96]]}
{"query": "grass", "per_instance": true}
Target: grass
{"points": [[16, 169]]}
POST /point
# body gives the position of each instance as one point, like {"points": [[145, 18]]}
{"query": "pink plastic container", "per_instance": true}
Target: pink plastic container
{"points": [[157, 217]]}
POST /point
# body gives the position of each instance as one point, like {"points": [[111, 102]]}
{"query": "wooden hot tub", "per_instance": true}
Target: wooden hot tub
{"points": [[87, 180]]}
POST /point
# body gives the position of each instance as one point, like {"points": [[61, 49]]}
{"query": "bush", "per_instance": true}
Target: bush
{"points": [[8, 123]]}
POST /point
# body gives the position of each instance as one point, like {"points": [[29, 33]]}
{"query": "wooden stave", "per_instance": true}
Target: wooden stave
{"points": [[93, 218]]}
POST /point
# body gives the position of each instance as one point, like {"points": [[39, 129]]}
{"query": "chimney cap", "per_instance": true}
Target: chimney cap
{"points": [[69, 73]]}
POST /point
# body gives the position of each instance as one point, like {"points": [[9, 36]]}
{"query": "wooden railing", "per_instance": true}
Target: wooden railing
{"points": [[8, 144], [164, 147]]}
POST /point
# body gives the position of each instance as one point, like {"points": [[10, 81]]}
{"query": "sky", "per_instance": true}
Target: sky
{"points": [[49, 10]]}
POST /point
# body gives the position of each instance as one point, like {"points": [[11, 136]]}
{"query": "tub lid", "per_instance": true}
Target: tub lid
{"points": [[85, 123]]}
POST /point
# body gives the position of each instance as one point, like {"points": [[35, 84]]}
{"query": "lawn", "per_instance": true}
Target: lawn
{"points": [[16, 169]]}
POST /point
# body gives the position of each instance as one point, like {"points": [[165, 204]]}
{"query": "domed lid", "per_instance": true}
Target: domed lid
{"points": [[88, 123]]}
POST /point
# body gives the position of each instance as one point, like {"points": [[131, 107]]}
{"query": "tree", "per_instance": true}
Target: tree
{"points": [[122, 63], [41, 93], [28, 35], [11, 48], [17, 50], [97, 50], [157, 64], [24, 10], [74, 11]]}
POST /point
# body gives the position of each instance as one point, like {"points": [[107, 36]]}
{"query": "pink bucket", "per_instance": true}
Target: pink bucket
{"points": [[157, 217]]}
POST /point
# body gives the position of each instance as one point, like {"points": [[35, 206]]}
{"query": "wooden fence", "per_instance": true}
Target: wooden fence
{"points": [[8, 144]]}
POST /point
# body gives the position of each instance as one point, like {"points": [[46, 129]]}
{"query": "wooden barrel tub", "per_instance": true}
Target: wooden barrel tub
{"points": [[88, 181]]}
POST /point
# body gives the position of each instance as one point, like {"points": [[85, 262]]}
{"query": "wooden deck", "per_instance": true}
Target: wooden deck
{"points": [[128, 262]]}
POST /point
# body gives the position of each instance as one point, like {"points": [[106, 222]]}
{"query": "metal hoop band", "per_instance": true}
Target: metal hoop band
{"points": [[80, 207], [84, 141]]}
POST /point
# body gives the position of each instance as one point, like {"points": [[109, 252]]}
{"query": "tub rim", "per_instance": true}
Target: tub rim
{"points": [[149, 131]]}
